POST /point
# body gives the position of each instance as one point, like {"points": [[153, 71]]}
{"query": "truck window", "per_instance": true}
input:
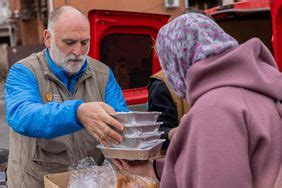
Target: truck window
{"points": [[245, 25], [130, 58]]}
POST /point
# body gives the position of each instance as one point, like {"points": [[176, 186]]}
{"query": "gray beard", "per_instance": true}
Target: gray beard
{"points": [[64, 61]]}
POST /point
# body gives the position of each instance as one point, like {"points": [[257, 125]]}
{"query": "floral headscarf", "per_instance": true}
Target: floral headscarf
{"points": [[186, 40]]}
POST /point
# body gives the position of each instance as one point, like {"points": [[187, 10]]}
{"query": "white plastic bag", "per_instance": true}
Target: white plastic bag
{"points": [[87, 174]]}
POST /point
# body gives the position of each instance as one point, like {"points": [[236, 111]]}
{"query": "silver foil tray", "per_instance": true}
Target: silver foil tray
{"points": [[136, 141], [136, 117], [132, 153], [139, 128]]}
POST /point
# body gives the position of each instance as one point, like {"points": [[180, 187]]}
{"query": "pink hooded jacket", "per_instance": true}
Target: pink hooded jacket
{"points": [[232, 136]]}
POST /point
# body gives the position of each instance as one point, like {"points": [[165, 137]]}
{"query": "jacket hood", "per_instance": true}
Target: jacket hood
{"points": [[250, 66]]}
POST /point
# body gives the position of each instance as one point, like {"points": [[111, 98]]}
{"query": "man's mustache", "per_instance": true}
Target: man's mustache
{"points": [[73, 58]]}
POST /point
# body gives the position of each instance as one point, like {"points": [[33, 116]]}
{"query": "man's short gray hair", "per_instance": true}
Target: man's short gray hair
{"points": [[55, 14]]}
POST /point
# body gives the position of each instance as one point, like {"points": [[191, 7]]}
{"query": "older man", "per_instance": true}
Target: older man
{"points": [[51, 96]]}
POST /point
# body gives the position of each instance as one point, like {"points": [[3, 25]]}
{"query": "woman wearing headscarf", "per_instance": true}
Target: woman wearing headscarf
{"points": [[231, 137]]}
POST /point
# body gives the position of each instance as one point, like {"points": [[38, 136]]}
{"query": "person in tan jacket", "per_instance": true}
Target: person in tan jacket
{"points": [[163, 99], [57, 103]]}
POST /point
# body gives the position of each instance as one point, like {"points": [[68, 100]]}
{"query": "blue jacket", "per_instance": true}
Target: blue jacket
{"points": [[26, 113]]}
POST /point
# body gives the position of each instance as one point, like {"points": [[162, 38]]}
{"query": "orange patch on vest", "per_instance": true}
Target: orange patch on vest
{"points": [[48, 97]]}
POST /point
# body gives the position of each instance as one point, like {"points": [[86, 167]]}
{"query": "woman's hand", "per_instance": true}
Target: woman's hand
{"points": [[142, 168], [171, 133]]}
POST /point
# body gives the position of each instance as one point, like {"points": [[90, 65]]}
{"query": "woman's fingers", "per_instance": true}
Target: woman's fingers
{"points": [[118, 164]]}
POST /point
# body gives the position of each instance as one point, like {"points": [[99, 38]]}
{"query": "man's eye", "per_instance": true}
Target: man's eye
{"points": [[69, 42], [84, 42]]}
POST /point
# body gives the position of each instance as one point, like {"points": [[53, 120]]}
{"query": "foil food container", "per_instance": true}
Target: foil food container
{"points": [[139, 141], [132, 153], [139, 128], [136, 117]]}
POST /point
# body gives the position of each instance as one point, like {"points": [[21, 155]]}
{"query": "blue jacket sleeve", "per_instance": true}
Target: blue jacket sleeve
{"points": [[114, 96], [26, 113]]}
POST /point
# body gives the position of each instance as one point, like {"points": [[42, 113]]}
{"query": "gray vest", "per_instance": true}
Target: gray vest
{"points": [[31, 158]]}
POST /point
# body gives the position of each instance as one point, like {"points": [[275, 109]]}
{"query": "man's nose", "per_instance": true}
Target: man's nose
{"points": [[77, 50]]}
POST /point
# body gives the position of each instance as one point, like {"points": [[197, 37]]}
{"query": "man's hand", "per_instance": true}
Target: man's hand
{"points": [[95, 118], [142, 168]]}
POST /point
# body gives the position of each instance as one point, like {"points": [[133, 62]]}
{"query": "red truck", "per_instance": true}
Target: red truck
{"points": [[125, 40]]}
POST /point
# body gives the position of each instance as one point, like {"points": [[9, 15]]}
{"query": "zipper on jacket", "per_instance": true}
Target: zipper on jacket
{"points": [[70, 94], [79, 81]]}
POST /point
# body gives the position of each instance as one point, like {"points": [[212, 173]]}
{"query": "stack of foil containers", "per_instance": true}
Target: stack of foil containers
{"points": [[141, 138]]}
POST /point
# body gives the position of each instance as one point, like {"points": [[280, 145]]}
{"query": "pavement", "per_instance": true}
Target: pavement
{"points": [[4, 129]]}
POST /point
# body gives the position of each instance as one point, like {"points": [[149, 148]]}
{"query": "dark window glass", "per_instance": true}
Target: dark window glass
{"points": [[130, 58], [246, 25], [5, 40], [204, 4]]}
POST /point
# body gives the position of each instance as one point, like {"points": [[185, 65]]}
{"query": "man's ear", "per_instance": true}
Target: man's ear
{"points": [[47, 38]]}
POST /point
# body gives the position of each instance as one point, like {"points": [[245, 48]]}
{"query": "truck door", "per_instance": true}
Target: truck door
{"points": [[249, 18], [125, 42]]}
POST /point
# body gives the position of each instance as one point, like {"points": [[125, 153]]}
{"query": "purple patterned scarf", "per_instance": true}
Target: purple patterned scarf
{"points": [[186, 40]]}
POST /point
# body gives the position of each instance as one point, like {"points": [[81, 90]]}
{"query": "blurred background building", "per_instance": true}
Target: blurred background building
{"points": [[22, 21]]}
